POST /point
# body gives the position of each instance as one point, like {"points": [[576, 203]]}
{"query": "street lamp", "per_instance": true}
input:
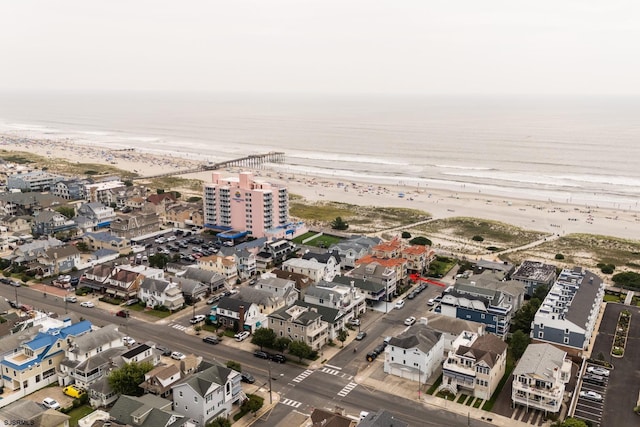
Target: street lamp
{"points": [[16, 288]]}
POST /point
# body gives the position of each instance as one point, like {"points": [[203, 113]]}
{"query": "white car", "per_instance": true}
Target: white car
{"points": [[128, 341], [50, 403], [399, 303], [596, 370], [241, 336], [177, 355], [87, 304], [592, 395], [409, 321], [197, 319], [431, 302]]}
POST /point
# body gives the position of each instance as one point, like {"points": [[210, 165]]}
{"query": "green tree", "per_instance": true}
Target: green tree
{"points": [[125, 380], [160, 191], [300, 349], [194, 199], [128, 183], [559, 256], [540, 292], [159, 260], [342, 336], [232, 364], [420, 240], [219, 422], [339, 224], [254, 403], [477, 238], [281, 343], [519, 342], [406, 235], [67, 211], [627, 279], [82, 247], [264, 337], [522, 319]]}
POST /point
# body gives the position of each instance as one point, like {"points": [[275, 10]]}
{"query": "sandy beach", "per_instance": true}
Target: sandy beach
{"points": [[553, 218]]}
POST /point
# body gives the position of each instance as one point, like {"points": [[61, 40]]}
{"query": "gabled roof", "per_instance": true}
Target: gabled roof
{"points": [[324, 418], [46, 216], [364, 284], [232, 304], [203, 276], [156, 199], [202, 381], [188, 286], [62, 252], [385, 262], [306, 317], [327, 314], [485, 348], [155, 410], [154, 285], [258, 296], [323, 257], [539, 361], [109, 356], [96, 338]]}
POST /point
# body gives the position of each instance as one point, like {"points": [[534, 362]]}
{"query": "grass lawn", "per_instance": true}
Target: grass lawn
{"points": [[462, 398], [435, 385], [79, 412], [477, 403], [488, 405], [441, 266], [156, 313], [611, 298], [325, 212], [323, 241], [470, 401]]}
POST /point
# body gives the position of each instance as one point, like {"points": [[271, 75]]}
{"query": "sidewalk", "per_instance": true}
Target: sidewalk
{"points": [[249, 419]]}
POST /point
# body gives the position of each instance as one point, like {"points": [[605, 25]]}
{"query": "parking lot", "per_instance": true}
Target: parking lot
{"points": [[592, 394]]}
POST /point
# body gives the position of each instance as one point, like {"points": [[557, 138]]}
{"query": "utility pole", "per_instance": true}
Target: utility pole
{"points": [[270, 395], [17, 304]]}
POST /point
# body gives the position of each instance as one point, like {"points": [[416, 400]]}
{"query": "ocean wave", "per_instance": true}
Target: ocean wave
{"points": [[346, 158], [93, 132], [515, 177], [477, 168], [602, 179], [141, 138]]}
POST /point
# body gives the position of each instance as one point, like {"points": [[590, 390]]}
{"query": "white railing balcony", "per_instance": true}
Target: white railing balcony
{"points": [[546, 393], [460, 369]]}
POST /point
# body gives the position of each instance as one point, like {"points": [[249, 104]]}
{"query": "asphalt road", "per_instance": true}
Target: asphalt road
{"points": [[299, 389]]}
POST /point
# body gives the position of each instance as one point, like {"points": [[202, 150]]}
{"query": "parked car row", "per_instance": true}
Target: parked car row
{"points": [[379, 349], [279, 358], [414, 293]]}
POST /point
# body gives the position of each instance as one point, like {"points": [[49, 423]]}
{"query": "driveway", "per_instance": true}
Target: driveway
{"points": [[622, 387]]}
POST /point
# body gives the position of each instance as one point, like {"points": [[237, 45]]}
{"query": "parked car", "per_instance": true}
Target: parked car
{"points": [[399, 303], [278, 358], [371, 356], [71, 299], [177, 355], [132, 301], [361, 335], [211, 340], [87, 304], [128, 341], [163, 350], [213, 299], [50, 403], [591, 395], [354, 322], [596, 370], [379, 348], [247, 378], [197, 319], [241, 336], [409, 321], [261, 354], [431, 302], [122, 313], [594, 379], [73, 391], [411, 295]]}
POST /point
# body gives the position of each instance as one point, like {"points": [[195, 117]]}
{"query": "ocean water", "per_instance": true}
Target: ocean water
{"points": [[565, 149]]}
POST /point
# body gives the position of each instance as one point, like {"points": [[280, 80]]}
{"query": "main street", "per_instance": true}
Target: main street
{"points": [[299, 388]]}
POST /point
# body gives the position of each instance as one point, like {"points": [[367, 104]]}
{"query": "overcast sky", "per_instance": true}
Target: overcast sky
{"points": [[362, 46]]}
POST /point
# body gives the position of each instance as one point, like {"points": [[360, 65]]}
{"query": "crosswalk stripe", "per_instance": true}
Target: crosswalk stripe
{"points": [[347, 389], [330, 371], [302, 376], [291, 403]]}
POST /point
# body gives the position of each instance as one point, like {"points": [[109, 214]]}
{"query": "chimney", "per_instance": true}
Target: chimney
{"points": [[241, 320]]}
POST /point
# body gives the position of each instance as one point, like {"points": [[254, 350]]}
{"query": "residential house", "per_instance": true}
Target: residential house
{"points": [[311, 268], [330, 259], [283, 288], [419, 258], [183, 215], [377, 281], [26, 412], [451, 328], [135, 224], [279, 250], [72, 189], [49, 222], [155, 293], [29, 252], [93, 216], [88, 357], [398, 264], [302, 282], [27, 203], [335, 319], [101, 394], [354, 248], [17, 225], [493, 286], [104, 240], [96, 277], [142, 353], [503, 267], [58, 260], [415, 354], [125, 280], [540, 378], [192, 290], [135, 203], [35, 363], [336, 418], [104, 192], [208, 394], [476, 366], [568, 314], [245, 261], [300, 323], [161, 202], [349, 300], [224, 265], [212, 280], [374, 292], [160, 379], [382, 418], [266, 301], [146, 411], [534, 274], [239, 315]]}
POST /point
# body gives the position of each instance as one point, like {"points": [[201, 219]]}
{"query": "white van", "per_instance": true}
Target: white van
{"points": [[399, 303]]}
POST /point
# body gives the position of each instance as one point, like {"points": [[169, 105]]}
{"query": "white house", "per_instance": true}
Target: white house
{"points": [[283, 288], [208, 394], [158, 292], [476, 365], [415, 354], [331, 260], [540, 377], [311, 268], [349, 300]]}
